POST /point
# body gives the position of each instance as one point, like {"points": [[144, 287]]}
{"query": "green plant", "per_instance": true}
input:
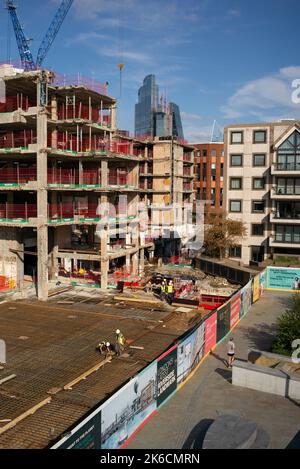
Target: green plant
{"points": [[288, 328]]}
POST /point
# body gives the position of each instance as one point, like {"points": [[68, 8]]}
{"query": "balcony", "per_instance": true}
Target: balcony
{"points": [[285, 168], [287, 213]]}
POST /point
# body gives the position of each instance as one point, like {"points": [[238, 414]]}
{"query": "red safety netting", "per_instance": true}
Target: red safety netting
{"points": [[17, 139], [21, 211], [118, 177], [60, 210], [12, 103], [17, 175], [80, 80]]}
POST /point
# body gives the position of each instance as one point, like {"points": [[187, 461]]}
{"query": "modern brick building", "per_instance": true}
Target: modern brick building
{"points": [[208, 177]]}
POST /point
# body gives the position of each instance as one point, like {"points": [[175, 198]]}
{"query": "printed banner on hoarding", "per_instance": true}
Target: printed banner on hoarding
{"points": [[246, 295], [189, 353], [86, 435], [281, 278], [166, 375], [223, 321], [210, 332], [235, 309], [262, 281], [255, 288], [126, 410]]}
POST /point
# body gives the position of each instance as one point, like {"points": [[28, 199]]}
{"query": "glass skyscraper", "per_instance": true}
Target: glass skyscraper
{"points": [[151, 119], [146, 107]]}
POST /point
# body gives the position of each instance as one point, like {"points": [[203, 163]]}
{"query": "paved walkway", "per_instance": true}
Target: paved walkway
{"points": [[183, 420]]}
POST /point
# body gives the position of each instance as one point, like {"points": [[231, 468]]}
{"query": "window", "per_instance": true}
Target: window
{"points": [[259, 136], [288, 186], [258, 206], [236, 137], [287, 234], [236, 160], [258, 183], [213, 153], [288, 154], [235, 205], [198, 153], [259, 160], [235, 251], [204, 152], [257, 229], [235, 183], [222, 169]]}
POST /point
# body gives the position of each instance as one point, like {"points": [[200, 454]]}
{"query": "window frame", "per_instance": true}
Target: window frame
{"points": [[257, 201], [237, 132], [236, 165], [235, 188], [259, 165], [264, 131], [260, 225], [259, 188], [241, 205]]}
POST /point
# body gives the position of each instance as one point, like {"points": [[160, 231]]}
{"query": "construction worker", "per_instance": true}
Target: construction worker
{"points": [[170, 291], [163, 290], [120, 342], [105, 348]]}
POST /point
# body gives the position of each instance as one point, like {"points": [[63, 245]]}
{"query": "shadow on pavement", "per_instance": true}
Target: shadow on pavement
{"points": [[261, 338], [226, 374], [197, 435], [221, 359], [295, 442]]}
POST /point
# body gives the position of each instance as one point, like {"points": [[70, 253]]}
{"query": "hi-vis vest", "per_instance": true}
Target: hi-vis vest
{"points": [[163, 288], [121, 339], [170, 288]]}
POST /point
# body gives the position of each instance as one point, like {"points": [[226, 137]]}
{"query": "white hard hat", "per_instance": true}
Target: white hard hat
{"points": [[118, 331], [107, 344]]}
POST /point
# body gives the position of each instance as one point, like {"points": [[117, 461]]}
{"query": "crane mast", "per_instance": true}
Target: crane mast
{"points": [[23, 44]]}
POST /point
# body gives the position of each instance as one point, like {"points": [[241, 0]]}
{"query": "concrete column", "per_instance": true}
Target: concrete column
{"points": [[104, 174], [104, 260], [42, 228], [142, 261], [54, 266], [80, 169], [114, 117], [20, 267], [135, 263]]}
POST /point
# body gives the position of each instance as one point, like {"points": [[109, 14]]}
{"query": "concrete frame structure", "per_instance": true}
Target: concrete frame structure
{"points": [[208, 181], [254, 174], [61, 158], [166, 180]]}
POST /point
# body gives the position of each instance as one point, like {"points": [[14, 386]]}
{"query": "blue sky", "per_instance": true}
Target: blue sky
{"points": [[229, 60]]}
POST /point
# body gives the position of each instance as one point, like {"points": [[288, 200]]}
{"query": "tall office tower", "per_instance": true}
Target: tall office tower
{"points": [[146, 107], [177, 130], [153, 119]]}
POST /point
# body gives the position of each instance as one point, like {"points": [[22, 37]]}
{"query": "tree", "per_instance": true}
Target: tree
{"points": [[288, 328], [222, 233]]}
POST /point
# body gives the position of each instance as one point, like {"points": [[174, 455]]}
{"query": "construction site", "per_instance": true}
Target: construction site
{"points": [[88, 233]]}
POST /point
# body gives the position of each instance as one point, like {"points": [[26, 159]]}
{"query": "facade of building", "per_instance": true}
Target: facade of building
{"points": [[166, 181], [152, 117], [262, 186], [72, 188], [69, 184], [208, 178]]}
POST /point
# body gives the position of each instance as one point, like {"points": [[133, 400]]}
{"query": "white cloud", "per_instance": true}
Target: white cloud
{"points": [[188, 117], [269, 94]]}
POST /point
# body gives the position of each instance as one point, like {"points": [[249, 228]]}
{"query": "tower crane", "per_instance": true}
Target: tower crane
{"points": [[23, 43]]}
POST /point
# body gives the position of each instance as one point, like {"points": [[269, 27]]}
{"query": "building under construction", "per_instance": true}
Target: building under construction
{"points": [[72, 187]]}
